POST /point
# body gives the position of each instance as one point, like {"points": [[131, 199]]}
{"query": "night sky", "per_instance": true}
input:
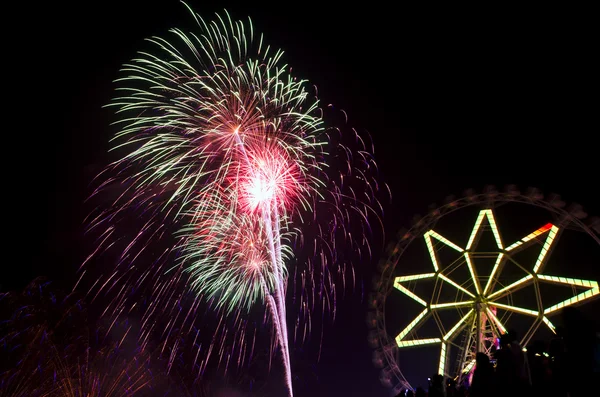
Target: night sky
{"points": [[483, 97]]}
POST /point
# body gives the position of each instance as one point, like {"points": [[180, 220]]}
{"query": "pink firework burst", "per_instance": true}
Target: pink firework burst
{"points": [[268, 180]]}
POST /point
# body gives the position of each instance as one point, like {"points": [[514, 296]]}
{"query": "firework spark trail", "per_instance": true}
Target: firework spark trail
{"points": [[222, 150], [280, 303], [281, 335]]}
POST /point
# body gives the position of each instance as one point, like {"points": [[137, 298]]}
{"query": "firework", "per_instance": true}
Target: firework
{"points": [[104, 372], [32, 323], [27, 373], [49, 370], [225, 153], [48, 350]]}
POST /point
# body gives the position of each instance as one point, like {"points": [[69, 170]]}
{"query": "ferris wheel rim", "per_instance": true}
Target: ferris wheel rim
{"points": [[490, 197]]}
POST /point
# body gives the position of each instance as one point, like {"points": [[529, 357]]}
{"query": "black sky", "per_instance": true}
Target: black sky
{"points": [[453, 100]]}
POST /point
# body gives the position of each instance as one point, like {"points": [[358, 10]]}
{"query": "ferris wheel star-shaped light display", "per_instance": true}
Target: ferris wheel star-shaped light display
{"points": [[482, 295]]}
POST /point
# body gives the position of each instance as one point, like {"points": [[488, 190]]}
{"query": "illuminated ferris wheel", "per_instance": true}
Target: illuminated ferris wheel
{"points": [[474, 268]]}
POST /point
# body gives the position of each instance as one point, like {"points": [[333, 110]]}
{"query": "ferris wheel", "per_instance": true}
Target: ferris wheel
{"points": [[471, 270]]}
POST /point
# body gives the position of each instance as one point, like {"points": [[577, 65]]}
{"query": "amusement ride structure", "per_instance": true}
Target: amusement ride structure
{"points": [[473, 279]]}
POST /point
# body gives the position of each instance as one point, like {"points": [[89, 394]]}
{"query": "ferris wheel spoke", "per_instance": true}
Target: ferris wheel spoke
{"points": [[592, 292], [501, 328], [519, 244], [569, 281], [409, 293], [401, 279], [472, 272], [549, 324], [451, 305], [418, 342], [511, 288], [545, 252], [516, 309], [449, 281], [553, 233], [428, 235], [475, 233], [412, 325], [496, 269], [442, 366], [458, 326]]}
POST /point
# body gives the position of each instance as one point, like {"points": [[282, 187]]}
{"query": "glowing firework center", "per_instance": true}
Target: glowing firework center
{"points": [[260, 190], [483, 294]]}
